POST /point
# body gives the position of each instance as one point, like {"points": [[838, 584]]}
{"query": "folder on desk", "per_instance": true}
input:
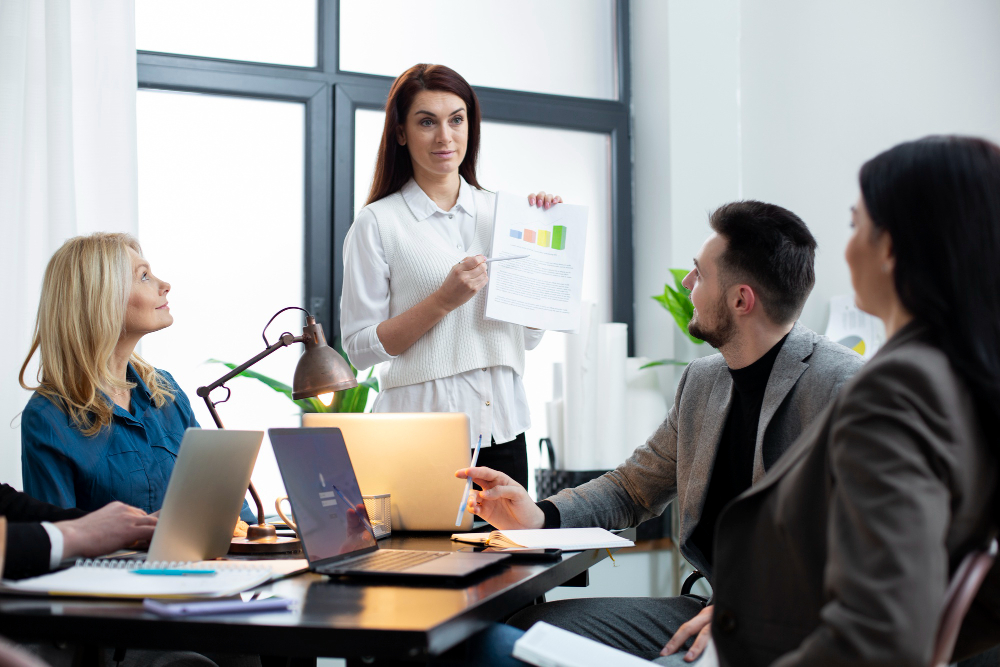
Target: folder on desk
{"points": [[567, 539], [117, 579]]}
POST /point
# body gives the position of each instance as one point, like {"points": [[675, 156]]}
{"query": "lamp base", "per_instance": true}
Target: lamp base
{"points": [[267, 545], [263, 539]]}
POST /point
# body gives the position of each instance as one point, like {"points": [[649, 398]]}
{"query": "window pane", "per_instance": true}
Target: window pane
{"points": [[563, 47], [221, 205], [575, 165], [281, 33]]}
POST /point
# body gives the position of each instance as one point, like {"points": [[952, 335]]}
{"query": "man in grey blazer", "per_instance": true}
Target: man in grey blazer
{"points": [[734, 414]]}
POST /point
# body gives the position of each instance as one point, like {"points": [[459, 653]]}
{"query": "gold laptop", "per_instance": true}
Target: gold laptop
{"points": [[413, 457]]}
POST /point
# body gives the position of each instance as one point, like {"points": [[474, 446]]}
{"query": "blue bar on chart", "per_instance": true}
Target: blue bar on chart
{"points": [[515, 233]]}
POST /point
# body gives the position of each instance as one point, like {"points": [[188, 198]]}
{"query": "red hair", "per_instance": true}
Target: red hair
{"points": [[394, 168]]}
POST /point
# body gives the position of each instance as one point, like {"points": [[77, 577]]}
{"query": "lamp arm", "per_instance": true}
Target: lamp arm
{"points": [[285, 340], [205, 392]]}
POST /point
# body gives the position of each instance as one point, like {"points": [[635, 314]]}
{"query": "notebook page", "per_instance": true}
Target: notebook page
{"points": [[567, 539], [548, 646], [108, 580]]}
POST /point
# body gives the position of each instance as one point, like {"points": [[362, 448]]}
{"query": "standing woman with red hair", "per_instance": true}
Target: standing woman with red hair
{"points": [[414, 269]]}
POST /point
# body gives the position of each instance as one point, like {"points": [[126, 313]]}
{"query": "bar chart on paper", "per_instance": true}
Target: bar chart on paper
{"points": [[542, 288], [554, 238]]}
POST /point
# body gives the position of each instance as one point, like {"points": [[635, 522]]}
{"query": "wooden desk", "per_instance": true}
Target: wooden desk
{"points": [[335, 617]]}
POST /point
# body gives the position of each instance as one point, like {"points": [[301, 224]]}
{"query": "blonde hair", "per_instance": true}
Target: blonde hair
{"points": [[81, 317]]}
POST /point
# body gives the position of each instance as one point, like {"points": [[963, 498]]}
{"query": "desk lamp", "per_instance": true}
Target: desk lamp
{"points": [[321, 371]]}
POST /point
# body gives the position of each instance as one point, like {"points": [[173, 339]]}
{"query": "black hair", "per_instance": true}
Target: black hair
{"points": [[939, 200], [770, 249]]}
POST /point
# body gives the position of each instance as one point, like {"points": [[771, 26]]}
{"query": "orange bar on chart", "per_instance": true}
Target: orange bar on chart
{"points": [[543, 237], [529, 235]]}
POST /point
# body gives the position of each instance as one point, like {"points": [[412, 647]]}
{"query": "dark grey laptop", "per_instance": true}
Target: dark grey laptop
{"points": [[336, 534]]}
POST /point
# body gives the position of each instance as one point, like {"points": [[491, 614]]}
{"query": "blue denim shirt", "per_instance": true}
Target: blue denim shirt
{"points": [[130, 462]]}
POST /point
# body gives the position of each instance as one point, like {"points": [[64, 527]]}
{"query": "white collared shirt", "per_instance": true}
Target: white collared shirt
{"points": [[57, 544], [493, 397]]}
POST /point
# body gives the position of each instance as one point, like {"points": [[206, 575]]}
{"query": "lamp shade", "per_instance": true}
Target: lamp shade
{"points": [[321, 369]]}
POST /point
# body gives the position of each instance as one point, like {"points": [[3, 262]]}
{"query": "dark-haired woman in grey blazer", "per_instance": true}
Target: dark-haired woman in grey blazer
{"points": [[842, 554]]}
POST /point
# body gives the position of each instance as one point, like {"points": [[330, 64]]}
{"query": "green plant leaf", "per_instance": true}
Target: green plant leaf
{"points": [[664, 362], [355, 399], [677, 302], [679, 275]]}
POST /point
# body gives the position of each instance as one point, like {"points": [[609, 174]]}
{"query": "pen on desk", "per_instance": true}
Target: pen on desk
{"points": [[172, 573], [468, 482], [504, 259]]}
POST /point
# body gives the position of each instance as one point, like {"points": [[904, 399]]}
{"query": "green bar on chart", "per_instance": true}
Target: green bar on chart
{"points": [[543, 237], [559, 237]]}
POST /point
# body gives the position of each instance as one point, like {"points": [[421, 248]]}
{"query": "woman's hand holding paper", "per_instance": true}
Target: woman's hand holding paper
{"points": [[502, 502], [542, 200]]}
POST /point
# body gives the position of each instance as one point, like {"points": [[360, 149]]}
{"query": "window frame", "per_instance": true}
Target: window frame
{"points": [[332, 96]]}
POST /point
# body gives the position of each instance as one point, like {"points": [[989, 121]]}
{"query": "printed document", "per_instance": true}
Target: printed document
{"points": [[541, 290]]}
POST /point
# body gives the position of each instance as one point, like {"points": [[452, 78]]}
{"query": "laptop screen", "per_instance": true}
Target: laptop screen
{"points": [[323, 491]]}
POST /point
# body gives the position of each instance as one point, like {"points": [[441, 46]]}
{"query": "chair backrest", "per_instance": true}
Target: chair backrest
{"points": [[957, 599]]}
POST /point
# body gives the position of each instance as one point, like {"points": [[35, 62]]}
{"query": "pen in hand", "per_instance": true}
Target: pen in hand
{"points": [[468, 482], [504, 259]]}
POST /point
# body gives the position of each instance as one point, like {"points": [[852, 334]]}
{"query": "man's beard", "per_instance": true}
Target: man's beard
{"points": [[723, 331]]}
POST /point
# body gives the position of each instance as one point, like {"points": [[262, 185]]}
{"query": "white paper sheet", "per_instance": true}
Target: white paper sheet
{"points": [[546, 645], [542, 290], [854, 328]]}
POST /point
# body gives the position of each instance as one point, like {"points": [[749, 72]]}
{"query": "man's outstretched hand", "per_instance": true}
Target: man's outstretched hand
{"points": [[700, 625], [503, 502]]}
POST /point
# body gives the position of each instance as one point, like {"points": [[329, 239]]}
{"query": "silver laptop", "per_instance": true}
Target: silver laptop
{"points": [[205, 494], [404, 454], [337, 536]]}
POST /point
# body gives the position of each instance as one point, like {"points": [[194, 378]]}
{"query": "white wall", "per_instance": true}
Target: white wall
{"points": [[783, 101]]}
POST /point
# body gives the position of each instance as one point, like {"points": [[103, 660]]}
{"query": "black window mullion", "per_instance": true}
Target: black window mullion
{"points": [[329, 36], [319, 243]]}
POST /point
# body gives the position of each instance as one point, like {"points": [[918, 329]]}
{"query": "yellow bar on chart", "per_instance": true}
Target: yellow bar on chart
{"points": [[543, 237]]}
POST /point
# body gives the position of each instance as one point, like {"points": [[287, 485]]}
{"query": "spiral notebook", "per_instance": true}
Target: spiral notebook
{"points": [[118, 579]]}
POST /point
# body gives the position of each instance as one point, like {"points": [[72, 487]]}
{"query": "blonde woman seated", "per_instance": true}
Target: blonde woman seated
{"points": [[103, 424]]}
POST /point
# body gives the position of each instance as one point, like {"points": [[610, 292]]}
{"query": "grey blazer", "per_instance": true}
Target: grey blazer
{"points": [[841, 555], [677, 460]]}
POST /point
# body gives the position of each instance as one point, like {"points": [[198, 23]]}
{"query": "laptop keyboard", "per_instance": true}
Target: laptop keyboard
{"points": [[390, 560]]}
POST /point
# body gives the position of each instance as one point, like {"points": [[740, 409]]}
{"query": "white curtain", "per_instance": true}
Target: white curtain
{"points": [[67, 159]]}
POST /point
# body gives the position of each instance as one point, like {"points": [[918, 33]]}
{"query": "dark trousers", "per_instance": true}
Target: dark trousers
{"points": [[510, 458]]}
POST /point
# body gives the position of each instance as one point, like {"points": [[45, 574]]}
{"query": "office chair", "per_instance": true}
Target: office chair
{"points": [[961, 591], [690, 582], [958, 598]]}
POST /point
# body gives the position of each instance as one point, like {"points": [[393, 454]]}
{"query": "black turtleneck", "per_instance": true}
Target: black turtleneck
{"points": [[732, 472]]}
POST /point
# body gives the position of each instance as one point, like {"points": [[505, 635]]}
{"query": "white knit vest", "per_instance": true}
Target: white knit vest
{"points": [[419, 261]]}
